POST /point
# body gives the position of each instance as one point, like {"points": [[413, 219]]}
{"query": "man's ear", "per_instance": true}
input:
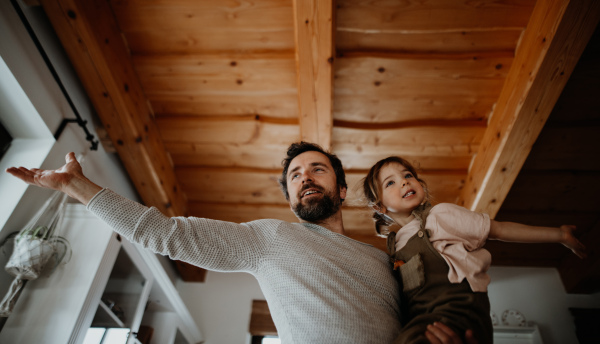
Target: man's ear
{"points": [[343, 191]]}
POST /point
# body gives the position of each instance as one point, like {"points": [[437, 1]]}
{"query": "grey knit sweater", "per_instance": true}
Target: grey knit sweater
{"points": [[321, 287]]}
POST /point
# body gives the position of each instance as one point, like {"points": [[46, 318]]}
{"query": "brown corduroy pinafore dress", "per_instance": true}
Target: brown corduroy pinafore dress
{"points": [[429, 296]]}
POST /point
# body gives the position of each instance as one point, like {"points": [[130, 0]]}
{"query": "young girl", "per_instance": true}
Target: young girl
{"points": [[438, 252]]}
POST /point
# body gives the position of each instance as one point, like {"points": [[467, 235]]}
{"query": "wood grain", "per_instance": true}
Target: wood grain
{"points": [[313, 27], [91, 38], [545, 59]]}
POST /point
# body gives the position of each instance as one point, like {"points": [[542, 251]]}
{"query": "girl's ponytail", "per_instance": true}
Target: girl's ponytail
{"points": [[382, 221]]}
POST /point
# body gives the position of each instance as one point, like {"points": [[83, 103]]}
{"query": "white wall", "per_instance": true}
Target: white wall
{"points": [[222, 305], [539, 295], [37, 84]]}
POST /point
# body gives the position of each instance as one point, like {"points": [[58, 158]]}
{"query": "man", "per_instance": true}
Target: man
{"points": [[321, 286]]}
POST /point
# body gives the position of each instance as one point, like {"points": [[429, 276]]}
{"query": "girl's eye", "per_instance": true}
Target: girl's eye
{"points": [[408, 175], [389, 183]]}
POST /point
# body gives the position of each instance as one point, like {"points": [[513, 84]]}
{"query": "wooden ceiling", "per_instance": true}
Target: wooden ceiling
{"points": [[201, 99]]}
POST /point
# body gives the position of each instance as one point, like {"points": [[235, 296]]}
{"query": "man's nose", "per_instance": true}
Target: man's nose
{"points": [[306, 176]]}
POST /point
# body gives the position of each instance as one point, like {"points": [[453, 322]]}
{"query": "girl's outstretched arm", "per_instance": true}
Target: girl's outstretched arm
{"points": [[517, 232]]}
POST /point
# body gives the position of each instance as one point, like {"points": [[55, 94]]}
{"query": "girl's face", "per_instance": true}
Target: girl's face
{"points": [[401, 192]]}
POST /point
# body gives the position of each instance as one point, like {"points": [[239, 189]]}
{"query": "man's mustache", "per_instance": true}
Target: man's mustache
{"points": [[309, 185]]}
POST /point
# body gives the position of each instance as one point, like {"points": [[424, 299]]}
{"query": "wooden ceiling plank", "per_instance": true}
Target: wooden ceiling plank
{"points": [[314, 22], [227, 141], [271, 75], [195, 130], [228, 154], [275, 104], [178, 42], [190, 15], [430, 42], [556, 36], [192, 26], [254, 186], [404, 87], [419, 17], [434, 141], [231, 186], [90, 36], [432, 26], [570, 191]]}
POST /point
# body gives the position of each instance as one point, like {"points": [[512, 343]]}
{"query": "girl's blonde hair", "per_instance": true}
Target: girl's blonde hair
{"points": [[371, 190]]}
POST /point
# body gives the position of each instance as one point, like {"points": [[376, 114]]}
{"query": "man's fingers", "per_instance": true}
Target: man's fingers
{"points": [[470, 337], [21, 173], [432, 338], [17, 171], [445, 329], [70, 157], [442, 334], [439, 333]]}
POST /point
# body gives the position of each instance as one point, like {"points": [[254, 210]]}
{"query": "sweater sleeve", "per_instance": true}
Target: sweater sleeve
{"points": [[457, 224], [210, 244], [459, 234]]}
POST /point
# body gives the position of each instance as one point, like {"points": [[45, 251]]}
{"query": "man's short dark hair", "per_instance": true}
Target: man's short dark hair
{"points": [[298, 148]]}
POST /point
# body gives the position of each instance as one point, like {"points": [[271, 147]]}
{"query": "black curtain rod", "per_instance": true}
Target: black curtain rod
{"points": [[79, 120]]}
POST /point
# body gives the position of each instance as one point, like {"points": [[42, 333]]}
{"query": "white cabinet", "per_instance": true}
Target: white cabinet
{"points": [[517, 335], [124, 297], [108, 283]]}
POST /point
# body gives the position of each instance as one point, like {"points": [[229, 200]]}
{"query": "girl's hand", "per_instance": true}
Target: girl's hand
{"points": [[571, 241], [438, 333]]}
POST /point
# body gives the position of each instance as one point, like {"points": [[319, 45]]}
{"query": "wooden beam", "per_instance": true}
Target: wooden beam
{"points": [[314, 23], [553, 41], [91, 37]]}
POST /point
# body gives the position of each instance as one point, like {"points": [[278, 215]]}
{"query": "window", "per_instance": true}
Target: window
{"points": [[265, 340], [100, 335], [30, 142]]}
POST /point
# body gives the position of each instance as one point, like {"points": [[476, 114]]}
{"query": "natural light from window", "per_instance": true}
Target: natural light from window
{"points": [[271, 340], [31, 138]]}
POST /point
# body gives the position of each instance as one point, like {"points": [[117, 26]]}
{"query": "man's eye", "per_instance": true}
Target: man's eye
{"points": [[294, 176]]}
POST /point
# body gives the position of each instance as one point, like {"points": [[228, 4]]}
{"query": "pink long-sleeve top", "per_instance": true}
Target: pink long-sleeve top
{"points": [[458, 234]]}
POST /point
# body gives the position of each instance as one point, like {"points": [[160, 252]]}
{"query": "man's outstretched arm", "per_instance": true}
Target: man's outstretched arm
{"points": [[68, 179]]}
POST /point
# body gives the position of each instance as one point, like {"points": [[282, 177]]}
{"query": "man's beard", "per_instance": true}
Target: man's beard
{"points": [[318, 210]]}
